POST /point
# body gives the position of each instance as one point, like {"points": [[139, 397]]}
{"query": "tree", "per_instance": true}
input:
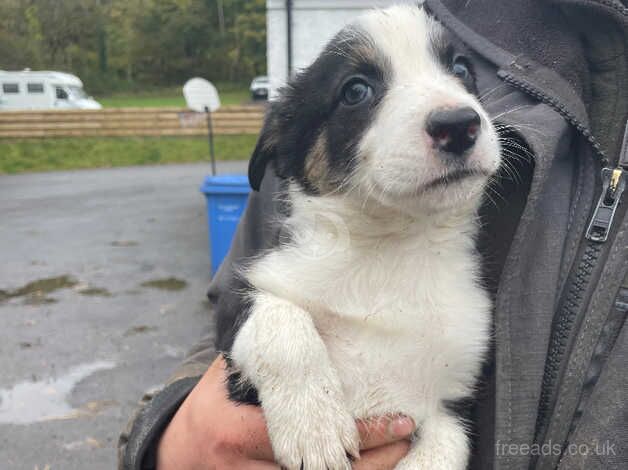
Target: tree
{"points": [[115, 44]]}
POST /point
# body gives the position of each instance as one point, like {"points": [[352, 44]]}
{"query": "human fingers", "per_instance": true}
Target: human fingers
{"points": [[380, 431], [243, 430], [259, 465], [383, 458]]}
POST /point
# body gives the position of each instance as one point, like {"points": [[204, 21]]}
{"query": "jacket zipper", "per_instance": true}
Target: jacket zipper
{"points": [[608, 338], [613, 186], [614, 182]]}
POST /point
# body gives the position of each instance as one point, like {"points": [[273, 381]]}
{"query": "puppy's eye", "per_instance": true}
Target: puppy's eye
{"points": [[460, 69], [356, 91]]}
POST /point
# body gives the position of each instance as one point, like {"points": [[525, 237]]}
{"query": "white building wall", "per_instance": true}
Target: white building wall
{"points": [[314, 23]]}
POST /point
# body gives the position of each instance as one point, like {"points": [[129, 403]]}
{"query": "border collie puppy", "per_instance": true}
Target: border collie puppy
{"points": [[372, 306]]}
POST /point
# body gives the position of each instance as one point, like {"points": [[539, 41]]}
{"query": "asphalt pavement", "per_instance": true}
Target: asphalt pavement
{"points": [[103, 275]]}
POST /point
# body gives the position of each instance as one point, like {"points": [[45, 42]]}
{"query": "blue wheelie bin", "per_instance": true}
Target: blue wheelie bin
{"points": [[226, 200]]}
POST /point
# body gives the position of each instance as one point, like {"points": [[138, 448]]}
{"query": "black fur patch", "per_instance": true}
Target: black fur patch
{"points": [[310, 108], [232, 308], [240, 389], [447, 48]]}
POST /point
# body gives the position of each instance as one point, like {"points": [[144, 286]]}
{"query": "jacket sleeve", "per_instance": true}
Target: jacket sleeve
{"points": [[138, 442], [258, 230]]}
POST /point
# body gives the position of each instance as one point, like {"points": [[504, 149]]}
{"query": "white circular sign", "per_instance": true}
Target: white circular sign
{"points": [[200, 94]]}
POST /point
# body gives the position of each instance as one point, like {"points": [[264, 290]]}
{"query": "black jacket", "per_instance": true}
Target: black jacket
{"points": [[555, 391]]}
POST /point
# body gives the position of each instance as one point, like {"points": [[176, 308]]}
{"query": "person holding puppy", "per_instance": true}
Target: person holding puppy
{"points": [[555, 72]]}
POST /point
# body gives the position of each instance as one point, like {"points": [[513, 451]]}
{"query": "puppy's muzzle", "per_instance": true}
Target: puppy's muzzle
{"points": [[454, 131]]}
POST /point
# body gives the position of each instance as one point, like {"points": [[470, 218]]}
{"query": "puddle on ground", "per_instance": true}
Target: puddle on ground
{"points": [[36, 292], [46, 400], [171, 283], [137, 330], [95, 292], [38, 299], [124, 243], [133, 292], [30, 344]]}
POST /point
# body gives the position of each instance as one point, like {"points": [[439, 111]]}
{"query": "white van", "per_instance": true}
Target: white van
{"points": [[43, 90]]}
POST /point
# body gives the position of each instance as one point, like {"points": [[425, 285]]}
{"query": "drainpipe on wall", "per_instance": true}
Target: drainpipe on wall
{"points": [[289, 9]]}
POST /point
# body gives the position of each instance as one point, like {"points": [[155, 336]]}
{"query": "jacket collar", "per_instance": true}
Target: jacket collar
{"points": [[533, 47]]}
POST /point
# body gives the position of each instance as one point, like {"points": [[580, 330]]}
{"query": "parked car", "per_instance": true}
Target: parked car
{"points": [[260, 87], [43, 90]]}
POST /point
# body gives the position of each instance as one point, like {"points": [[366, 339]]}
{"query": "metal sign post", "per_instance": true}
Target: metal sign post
{"points": [[210, 133], [202, 97]]}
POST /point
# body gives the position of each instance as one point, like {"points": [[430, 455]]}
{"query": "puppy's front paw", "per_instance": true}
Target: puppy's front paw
{"points": [[441, 445], [313, 434], [444, 461]]}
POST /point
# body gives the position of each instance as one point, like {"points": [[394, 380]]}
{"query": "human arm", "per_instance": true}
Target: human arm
{"points": [[193, 440]]}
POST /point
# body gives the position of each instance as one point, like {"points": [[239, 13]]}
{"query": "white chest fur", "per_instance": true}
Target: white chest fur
{"points": [[364, 313], [395, 300]]}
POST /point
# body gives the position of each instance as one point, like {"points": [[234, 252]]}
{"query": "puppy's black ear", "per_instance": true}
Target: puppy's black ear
{"points": [[265, 150]]}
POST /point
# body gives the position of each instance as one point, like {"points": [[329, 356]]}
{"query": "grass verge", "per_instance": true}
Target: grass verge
{"points": [[21, 156]]}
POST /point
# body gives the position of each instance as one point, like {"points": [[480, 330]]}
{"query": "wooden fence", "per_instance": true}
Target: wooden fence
{"points": [[128, 122]]}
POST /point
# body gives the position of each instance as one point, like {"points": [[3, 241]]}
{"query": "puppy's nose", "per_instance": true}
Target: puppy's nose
{"points": [[454, 130]]}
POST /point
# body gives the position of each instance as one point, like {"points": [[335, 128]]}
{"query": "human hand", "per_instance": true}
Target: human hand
{"points": [[383, 442], [209, 431]]}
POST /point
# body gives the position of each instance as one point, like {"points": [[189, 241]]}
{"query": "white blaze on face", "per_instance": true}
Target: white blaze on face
{"points": [[396, 153]]}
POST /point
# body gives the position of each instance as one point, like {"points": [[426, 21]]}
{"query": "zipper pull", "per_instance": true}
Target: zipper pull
{"points": [[613, 187]]}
